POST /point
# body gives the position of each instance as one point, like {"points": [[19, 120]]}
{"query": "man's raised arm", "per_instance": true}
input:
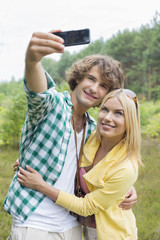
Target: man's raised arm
{"points": [[40, 45]]}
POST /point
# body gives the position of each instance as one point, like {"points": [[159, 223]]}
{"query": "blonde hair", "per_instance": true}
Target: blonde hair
{"points": [[132, 136]]}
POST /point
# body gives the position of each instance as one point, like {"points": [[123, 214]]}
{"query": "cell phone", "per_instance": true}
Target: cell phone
{"points": [[75, 37]]}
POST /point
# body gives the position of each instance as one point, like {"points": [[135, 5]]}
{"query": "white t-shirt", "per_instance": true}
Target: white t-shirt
{"points": [[51, 217]]}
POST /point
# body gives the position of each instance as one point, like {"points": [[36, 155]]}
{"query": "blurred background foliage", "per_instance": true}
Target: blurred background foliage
{"points": [[139, 53]]}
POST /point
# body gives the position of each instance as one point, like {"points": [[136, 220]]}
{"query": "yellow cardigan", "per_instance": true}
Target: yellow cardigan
{"points": [[108, 182]]}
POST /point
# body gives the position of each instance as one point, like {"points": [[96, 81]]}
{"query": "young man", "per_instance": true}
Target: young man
{"points": [[47, 142]]}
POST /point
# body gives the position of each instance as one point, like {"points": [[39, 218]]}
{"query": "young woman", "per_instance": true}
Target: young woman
{"points": [[111, 160]]}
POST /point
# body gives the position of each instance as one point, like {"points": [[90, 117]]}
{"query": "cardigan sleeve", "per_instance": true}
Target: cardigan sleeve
{"points": [[114, 190]]}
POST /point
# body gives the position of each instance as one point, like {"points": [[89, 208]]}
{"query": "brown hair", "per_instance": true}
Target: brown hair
{"points": [[110, 71]]}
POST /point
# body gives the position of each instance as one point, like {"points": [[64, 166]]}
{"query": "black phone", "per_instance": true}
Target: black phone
{"points": [[75, 37]]}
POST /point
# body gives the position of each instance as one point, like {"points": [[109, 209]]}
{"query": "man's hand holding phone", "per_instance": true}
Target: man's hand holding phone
{"points": [[44, 44]]}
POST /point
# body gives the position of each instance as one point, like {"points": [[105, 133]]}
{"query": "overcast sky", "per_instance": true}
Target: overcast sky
{"points": [[20, 18]]}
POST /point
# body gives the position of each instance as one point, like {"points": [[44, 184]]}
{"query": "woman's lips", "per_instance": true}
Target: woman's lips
{"points": [[107, 125]]}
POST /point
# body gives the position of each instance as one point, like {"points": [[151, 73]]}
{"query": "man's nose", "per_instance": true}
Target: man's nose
{"points": [[94, 87]]}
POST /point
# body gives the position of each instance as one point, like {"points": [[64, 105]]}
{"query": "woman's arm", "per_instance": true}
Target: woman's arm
{"points": [[114, 190], [129, 201]]}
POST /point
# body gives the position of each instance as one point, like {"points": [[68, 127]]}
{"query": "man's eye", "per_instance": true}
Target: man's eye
{"points": [[104, 86], [91, 78]]}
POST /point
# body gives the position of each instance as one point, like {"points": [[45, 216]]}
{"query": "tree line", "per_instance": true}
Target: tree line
{"points": [[139, 53], [137, 50]]}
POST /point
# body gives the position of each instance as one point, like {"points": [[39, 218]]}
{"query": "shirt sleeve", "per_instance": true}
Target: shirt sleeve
{"points": [[39, 104], [114, 191]]}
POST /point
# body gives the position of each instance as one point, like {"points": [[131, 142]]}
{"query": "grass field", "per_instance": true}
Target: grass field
{"points": [[147, 210], [7, 158]]}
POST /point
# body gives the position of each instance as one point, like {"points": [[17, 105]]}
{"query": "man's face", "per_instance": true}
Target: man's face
{"points": [[91, 90]]}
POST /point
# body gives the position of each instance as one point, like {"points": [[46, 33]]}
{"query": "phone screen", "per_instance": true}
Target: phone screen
{"points": [[75, 37]]}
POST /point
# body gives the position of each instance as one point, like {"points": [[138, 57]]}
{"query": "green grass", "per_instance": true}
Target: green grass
{"points": [[147, 210], [7, 159]]}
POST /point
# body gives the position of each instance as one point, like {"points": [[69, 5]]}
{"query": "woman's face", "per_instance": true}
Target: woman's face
{"points": [[111, 121]]}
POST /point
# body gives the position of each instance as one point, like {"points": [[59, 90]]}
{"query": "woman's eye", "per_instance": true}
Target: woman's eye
{"points": [[119, 113], [104, 109]]}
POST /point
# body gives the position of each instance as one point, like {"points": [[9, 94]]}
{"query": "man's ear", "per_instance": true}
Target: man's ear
{"points": [[77, 82]]}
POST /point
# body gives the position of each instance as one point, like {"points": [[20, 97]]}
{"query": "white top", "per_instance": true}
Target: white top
{"points": [[51, 217]]}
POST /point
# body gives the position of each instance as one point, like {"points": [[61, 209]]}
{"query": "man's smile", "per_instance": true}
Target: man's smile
{"points": [[90, 95]]}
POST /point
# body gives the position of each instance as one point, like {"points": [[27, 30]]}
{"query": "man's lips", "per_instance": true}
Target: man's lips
{"points": [[90, 95]]}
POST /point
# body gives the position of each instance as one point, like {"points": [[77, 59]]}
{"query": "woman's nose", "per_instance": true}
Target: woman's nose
{"points": [[108, 116]]}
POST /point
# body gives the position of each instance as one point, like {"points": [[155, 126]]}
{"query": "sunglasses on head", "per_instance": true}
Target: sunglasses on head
{"points": [[131, 95]]}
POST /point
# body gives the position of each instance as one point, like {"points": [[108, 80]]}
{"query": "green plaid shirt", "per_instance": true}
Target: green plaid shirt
{"points": [[44, 142]]}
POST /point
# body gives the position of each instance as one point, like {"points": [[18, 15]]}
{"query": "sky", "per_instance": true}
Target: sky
{"points": [[19, 19]]}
